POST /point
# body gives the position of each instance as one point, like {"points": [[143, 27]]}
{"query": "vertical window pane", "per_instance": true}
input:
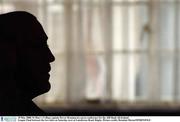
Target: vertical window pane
{"points": [[167, 26], [167, 76], [142, 77], [96, 77], [130, 27]]}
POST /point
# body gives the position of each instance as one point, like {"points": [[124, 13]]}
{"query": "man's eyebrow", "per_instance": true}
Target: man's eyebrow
{"points": [[46, 37]]}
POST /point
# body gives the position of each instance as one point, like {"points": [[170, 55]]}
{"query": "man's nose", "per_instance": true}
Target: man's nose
{"points": [[51, 56]]}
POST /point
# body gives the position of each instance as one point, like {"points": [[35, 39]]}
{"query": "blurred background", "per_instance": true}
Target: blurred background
{"points": [[109, 52]]}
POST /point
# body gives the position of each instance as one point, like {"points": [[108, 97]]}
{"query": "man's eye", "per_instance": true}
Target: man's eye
{"points": [[39, 46]]}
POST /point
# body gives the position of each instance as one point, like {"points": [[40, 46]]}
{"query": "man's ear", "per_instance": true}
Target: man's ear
{"points": [[7, 58]]}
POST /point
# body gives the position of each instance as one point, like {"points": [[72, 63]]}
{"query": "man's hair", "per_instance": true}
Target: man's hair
{"points": [[18, 27]]}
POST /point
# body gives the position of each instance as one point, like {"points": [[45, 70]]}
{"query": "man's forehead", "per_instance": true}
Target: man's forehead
{"points": [[37, 41], [24, 29], [38, 34]]}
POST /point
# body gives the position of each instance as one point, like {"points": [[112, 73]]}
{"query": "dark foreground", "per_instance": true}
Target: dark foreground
{"points": [[114, 110]]}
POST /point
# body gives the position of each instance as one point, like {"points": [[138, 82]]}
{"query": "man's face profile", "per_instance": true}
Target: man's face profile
{"points": [[34, 58], [25, 63]]}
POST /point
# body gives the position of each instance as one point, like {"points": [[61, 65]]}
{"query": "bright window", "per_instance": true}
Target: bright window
{"points": [[117, 50]]}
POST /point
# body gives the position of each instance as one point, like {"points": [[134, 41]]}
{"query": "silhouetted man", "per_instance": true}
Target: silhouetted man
{"points": [[24, 63]]}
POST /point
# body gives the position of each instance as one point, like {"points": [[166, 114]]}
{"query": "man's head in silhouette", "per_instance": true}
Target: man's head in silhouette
{"points": [[26, 59]]}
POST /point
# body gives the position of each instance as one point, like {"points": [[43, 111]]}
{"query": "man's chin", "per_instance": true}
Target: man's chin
{"points": [[38, 90], [38, 87]]}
